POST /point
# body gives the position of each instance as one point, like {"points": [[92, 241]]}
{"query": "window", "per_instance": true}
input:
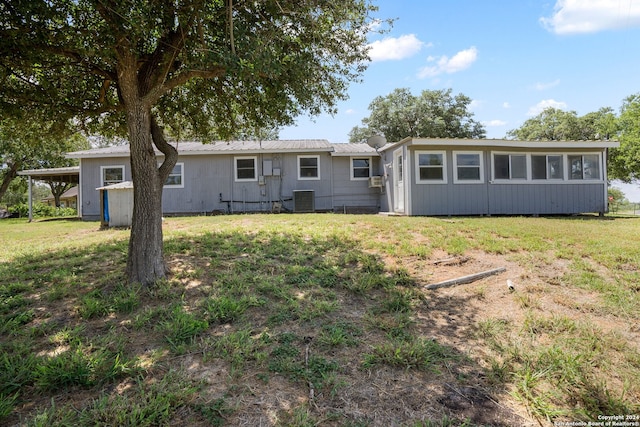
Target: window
{"points": [[546, 167], [308, 167], [360, 168], [584, 166], [430, 167], [245, 168], [468, 167], [111, 174], [175, 178], [509, 166]]}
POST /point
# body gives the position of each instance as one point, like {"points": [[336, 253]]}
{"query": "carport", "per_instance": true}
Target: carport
{"points": [[69, 175]]}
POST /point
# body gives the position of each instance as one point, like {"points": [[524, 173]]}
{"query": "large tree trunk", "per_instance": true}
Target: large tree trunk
{"points": [[145, 263]]}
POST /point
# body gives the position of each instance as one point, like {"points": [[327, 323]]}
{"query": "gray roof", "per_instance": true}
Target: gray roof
{"points": [[503, 144], [357, 149], [220, 147]]}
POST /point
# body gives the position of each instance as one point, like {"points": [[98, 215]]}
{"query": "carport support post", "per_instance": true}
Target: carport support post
{"points": [[30, 201]]}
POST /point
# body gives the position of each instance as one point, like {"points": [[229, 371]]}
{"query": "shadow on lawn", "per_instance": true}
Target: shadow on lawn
{"points": [[255, 328]]}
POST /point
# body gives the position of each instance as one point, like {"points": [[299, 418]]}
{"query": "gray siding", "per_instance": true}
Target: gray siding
{"points": [[354, 195], [498, 198], [209, 185], [90, 179]]}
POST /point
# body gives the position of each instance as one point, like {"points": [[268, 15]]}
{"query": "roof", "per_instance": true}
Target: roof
{"points": [[186, 148], [69, 174], [500, 143], [70, 193], [357, 149], [124, 185]]}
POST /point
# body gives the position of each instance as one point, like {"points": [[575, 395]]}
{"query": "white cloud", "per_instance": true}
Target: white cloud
{"points": [[350, 111], [495, 123], [546, 103], [475, 104], [445, 65], [590, 16], [393, 49], [505, 104], [547, 85]]}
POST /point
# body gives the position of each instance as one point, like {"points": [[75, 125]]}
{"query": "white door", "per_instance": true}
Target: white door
{"points": [[398, 178]]}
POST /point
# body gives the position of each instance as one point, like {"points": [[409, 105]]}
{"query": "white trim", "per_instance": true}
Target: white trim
{"points": [[511, 180], [505, 144], [181, 185], [235, 168], [102, 181], [456, 180], [443, 153], [565, 166], [352, 168], [309, 178]]}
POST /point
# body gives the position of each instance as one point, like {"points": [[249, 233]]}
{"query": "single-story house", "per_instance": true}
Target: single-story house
{"points": [[495, 177], [411, 177], [68, 199], [246, 176]]}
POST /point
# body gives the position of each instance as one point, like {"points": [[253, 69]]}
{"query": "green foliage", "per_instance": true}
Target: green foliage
{"points": [[432, 114], [554, 124], [624, 162], [42, 210], [79, 367], [182, 327], [419, 354]]}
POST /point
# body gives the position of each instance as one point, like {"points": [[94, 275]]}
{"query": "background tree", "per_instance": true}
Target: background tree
{"points": [[554, 124], [432, 114], [624, 161], [200, 68], [26, 143]]}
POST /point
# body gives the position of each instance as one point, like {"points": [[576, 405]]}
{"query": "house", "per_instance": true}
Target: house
{"points": [[245, 176], [410, 177], [68, 199], [495, 177]]}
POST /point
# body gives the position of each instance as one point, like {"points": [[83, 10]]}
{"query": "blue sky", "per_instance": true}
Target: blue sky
{"points": [[513, 58]]}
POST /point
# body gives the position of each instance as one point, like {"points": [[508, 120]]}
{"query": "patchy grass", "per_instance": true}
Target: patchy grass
{"points": [[293, 320]]}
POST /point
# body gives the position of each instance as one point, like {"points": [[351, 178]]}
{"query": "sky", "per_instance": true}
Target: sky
{"points": [[513, 58]]}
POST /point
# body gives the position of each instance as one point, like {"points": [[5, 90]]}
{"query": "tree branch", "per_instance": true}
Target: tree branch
{"points": [[155, 93], [169, 151]]}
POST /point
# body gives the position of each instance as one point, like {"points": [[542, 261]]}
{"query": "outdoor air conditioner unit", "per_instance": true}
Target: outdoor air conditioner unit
{"points": [[375, 182], [303, 201]]}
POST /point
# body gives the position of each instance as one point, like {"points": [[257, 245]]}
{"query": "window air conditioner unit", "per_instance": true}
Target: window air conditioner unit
{"points": [[375, 181], [303, 201]]}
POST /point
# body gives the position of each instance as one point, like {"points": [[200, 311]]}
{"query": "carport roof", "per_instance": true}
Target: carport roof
{"points": [[70, 175]]}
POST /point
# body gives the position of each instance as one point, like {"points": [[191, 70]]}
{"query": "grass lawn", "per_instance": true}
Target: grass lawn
{"points": [[322, 319]]}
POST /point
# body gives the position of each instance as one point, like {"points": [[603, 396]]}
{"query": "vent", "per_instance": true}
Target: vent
{"points": [[303, 201], [375, 181]]}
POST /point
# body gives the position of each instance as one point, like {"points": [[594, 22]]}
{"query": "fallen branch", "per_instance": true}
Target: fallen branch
{"points": [[451, 261], [465, 279]]}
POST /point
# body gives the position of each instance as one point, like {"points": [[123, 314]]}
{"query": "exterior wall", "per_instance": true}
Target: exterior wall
{"points": [[354, 195], [209, 184], [493, 197], [90, 179]]}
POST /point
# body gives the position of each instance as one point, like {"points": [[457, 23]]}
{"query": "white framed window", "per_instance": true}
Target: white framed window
{"points": [[431, 167], [468, 167], [584, 166], [245, 168], [509, 166], [547, 167], [111, 174], [360, 168], [308, 167], [176, 177]]}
